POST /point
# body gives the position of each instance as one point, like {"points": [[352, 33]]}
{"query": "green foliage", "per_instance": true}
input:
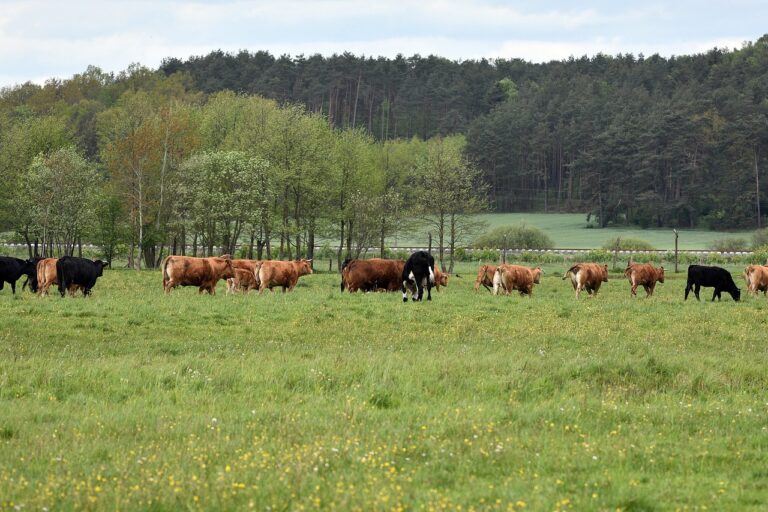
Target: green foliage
{"points": [[729, 245], [628, 244], [514, 237], [597, 256], [759, 238]]}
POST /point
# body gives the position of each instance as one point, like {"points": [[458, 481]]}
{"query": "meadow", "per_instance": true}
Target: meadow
{"points": [[317, 399], [570, 231]]}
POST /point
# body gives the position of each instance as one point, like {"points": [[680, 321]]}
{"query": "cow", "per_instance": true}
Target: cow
{"points": [[371, 275], [284, 274], [441, 278], [419, 271], [515, 277], [485, 277], [46, 275], [756, 277], [587, 276], [11, 269], [244, 280], [719, 278], [201, 272], [73, 271], [645, 275]]}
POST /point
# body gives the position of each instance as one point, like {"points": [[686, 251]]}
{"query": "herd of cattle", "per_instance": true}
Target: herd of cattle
{"points": [[412, 276]]}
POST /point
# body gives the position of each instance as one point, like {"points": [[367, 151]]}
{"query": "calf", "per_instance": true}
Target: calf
{"points": [[587, 276], [284, 274], [419, 271], [11, 269], [485, 277], [201, 272], [643, 274], [244, 280], [46, 275], [81, 272], [756, 277], [719, 278], [515, 277], [441, 279]]}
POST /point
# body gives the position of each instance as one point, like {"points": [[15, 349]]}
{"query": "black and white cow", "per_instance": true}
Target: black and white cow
{"points": [[419, 271], [11, 269], [74, 271], [719, 278]]}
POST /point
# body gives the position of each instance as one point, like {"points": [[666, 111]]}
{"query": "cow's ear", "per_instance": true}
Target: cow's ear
{"points": [[104, 264], [310, 260]]}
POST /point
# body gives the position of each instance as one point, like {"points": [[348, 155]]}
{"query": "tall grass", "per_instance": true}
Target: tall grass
{"points": [[316, 399]]}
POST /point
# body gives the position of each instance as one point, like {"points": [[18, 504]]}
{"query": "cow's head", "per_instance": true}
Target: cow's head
{"points": [[660, 275], [736, 294], [605, 273], [100, 265], [303, 266], [536, 273], [441, 279]]}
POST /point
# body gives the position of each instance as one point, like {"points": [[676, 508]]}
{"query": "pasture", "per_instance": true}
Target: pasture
{"points": [[316, 399], [569, 230]]}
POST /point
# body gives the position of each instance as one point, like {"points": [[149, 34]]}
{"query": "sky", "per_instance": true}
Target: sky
{"points": [[41, 39]]}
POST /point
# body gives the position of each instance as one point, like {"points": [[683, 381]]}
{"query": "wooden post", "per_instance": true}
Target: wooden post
{"points": [[429, 250], [676, 235], [616, 252], [330, 264], [504, 251]]}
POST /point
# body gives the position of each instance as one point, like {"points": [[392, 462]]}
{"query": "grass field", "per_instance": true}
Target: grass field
{"points": [[569, 230], [316, 399]]}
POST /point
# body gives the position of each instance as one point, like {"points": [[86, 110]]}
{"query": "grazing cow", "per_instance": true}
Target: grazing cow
{"points": [[515, 277], [485, 277], [587, 276], [73, 272], [46, 275], [244, 280], [284, 274], [441, 278], [643, 274], [371, 275], [719, 278], [201, 272], [11, 269], [756, 277], [419, 271]]}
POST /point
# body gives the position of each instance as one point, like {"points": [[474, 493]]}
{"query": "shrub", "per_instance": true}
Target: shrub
{"points": [[597, 256], [728, 245], [759, 256], [541, 257], [650, 257], [517, 237], [628, 244]]}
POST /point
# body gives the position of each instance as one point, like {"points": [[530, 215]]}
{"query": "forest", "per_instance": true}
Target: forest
{"points": [[279, 155]]}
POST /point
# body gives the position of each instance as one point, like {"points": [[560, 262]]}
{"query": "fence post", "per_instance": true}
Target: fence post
{"points": [[676, 235], [616, 252]]}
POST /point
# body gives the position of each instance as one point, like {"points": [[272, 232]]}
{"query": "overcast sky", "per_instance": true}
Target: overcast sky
{"points": [[42, 39]]}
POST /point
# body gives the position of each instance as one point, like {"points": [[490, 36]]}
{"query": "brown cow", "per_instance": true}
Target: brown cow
{"points": [[372, 275], [441, 278], [244, 280], [47, 276], [515, 277], [587, 276], [756, 277], [201, 272], [485, 277], [644, 274], [282, 273]]}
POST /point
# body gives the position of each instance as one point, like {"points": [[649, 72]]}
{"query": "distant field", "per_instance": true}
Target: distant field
{"points": [[568, 230], [317, 399]]}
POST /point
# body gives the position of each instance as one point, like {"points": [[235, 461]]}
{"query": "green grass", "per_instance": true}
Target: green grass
{"points": [[134, 400], [569, 230]]}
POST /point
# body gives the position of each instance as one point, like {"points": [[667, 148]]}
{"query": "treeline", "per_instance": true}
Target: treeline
{"points": [[145, 165], [652, 141]]}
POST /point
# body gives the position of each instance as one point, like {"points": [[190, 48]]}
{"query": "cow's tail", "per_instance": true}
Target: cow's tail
{"points": [[61, 277], [164, 266], [628, 270], [570, 271]]}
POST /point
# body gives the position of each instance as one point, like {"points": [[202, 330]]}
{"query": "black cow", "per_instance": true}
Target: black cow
{"points": [[78, 271], [11, 269], [719, 278], [419, 268]]}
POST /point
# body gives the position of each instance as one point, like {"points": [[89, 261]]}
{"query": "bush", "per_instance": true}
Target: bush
{"points": [[597, 256], [517, 237], [628, 244], [728, 245], [759, 256], [541, 257], [651, 257]]}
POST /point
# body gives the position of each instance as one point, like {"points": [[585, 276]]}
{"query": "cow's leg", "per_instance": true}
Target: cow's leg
{"points": [[13, 287], [429, 288], [716, 293], [649, 290], [405, 293], [633, 290], [696, 290]]}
